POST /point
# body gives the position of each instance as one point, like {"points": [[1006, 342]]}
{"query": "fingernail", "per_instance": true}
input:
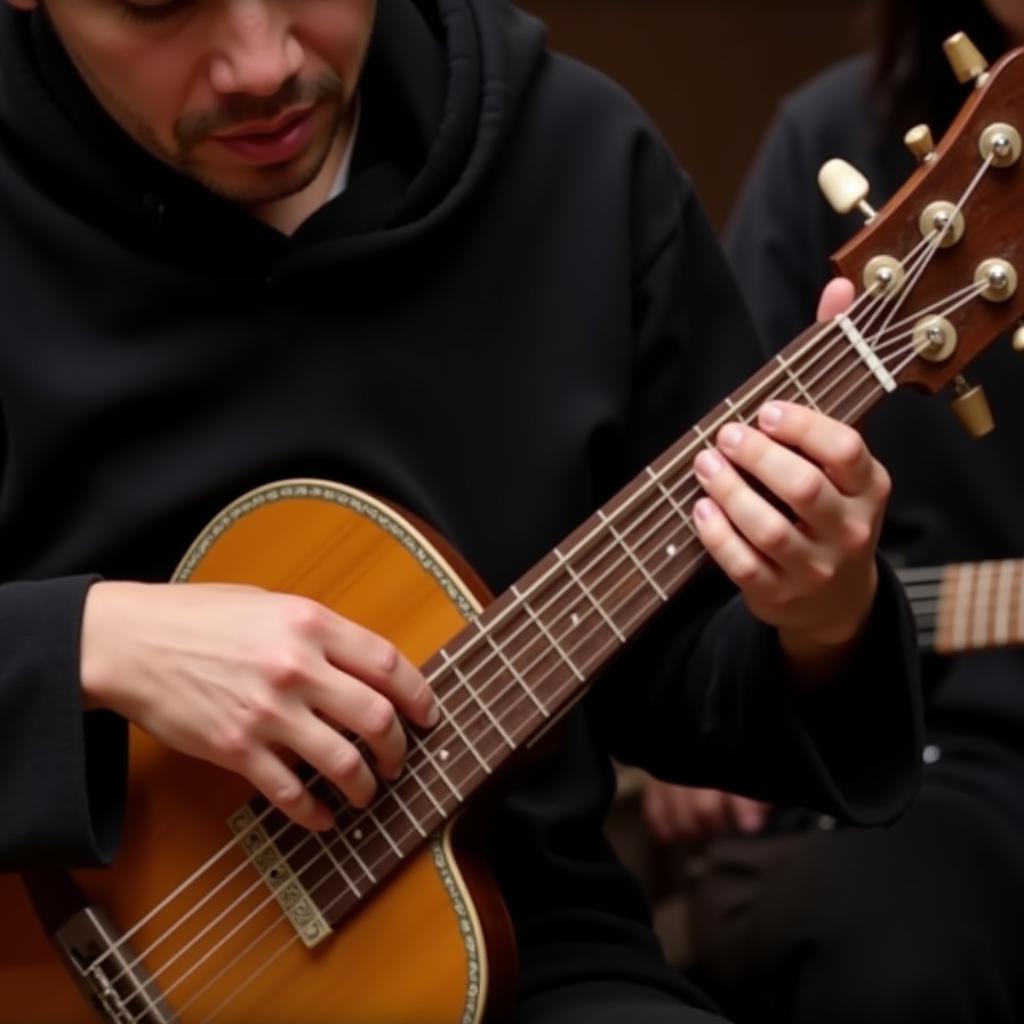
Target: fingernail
{"points": [[770, 414], [751, 819], [707, 464], [704, 510], [730, 436], [433, 715], [324, 821]]}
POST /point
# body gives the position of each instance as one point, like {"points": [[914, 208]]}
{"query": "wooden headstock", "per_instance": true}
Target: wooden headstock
{"points": [[991, 204]]}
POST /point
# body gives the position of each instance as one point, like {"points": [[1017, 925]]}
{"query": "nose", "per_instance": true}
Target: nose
{"points": [[257, 51]]}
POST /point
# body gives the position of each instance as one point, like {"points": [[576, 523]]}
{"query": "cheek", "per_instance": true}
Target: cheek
{"points": [[149, 84], [337, 33]]}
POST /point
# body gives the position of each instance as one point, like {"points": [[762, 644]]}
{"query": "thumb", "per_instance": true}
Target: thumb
{"points": [[836, 298]]}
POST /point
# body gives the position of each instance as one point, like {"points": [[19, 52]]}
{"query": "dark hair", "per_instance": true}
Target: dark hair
{"points": [[913, 82]]}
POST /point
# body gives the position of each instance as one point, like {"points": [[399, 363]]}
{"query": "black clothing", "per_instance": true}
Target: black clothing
{"points": [[907, 923], [918, 922], [514, 306]]}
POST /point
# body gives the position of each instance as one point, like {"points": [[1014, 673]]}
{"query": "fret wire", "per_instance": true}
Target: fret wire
{"points": [[670, 498], [1003, 585], [964, 580], [556, 646], [480, 703], [382, 830], [337, 865], [341, 870], [781, 360], [1020, 600], [515, 675], [631, 554], [415, 821], [465, 739], [579, 583], [355, 856], [429, 793], [982, 588]]}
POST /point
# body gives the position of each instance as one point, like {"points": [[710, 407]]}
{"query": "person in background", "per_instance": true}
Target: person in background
{"points": [[797, 921]]}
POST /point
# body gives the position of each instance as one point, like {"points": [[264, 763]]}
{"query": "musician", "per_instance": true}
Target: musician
{"points": [[405, 247], [919, 922]]}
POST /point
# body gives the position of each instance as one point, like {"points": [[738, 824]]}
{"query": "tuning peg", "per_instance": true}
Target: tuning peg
{"points": [[920, 142], [965, 59], [1018, 339], [845, 188], [972, 408]]}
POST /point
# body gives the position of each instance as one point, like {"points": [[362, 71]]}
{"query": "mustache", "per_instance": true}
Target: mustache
{"points": [[241, 109]]}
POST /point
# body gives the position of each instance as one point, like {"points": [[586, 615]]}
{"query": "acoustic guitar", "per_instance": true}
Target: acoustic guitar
{"points": [[219, 910], [967, 606]]}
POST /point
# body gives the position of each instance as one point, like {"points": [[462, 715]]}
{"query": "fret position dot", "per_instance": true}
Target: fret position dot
{"points": [[671, 551], [575, 619], [444, 755], [358, 834]]}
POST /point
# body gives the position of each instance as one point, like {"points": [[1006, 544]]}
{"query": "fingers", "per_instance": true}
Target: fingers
{"points": [[836, 447], [749, 815], [686, 813], [836, 298], [285, 790], [377, 662], [832, 464], [337, 759]]}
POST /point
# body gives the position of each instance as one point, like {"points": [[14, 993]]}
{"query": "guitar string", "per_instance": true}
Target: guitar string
{"points": [[233, 844], [431, 799], [426, 790], [230, 997], [909, 359], [280, 950], [407, 835], [229, 846]]}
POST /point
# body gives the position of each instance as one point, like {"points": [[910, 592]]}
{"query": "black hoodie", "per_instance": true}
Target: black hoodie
{"points": [[514, 307]]}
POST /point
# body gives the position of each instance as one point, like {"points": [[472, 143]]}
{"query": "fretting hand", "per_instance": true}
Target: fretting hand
{"points": [[813, 576]]}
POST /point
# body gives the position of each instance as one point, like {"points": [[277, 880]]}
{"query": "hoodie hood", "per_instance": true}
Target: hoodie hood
{"points": [[442, 86]]}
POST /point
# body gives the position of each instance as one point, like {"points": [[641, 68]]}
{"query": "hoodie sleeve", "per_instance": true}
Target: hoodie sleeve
{"points": [[62, 769], [702, 698]]}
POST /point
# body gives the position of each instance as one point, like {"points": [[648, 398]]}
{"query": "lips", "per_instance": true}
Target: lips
{"points": [[273, 142]]}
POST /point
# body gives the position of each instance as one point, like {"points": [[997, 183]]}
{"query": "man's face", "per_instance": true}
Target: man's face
{"points": [[245, 96]]}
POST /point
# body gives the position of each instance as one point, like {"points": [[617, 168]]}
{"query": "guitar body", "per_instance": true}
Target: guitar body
{"points": [[422, 949]]}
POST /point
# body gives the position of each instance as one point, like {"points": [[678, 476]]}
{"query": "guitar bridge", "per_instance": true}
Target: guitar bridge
{"points": [[109, 973]]}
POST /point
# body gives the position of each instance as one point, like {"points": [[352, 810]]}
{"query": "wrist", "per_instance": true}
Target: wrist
{"points": [[815, 655], [101, 621]]}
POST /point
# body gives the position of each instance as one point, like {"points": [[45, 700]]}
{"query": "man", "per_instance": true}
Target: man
{"points": [[408, 248]]}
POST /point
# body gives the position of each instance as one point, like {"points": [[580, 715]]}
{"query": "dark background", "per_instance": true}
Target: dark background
{"points": [[710, 72]]}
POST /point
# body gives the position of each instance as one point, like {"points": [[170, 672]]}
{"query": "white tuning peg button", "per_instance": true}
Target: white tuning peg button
{"points": [[845, 188]]}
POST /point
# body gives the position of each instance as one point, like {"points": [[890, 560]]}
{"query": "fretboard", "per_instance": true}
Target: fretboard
{"points": [[533, 652], [968, 606]]}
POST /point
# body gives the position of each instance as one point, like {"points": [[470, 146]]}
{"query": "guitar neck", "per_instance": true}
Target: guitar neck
{"points": [[534, 651], [967, 606]]}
